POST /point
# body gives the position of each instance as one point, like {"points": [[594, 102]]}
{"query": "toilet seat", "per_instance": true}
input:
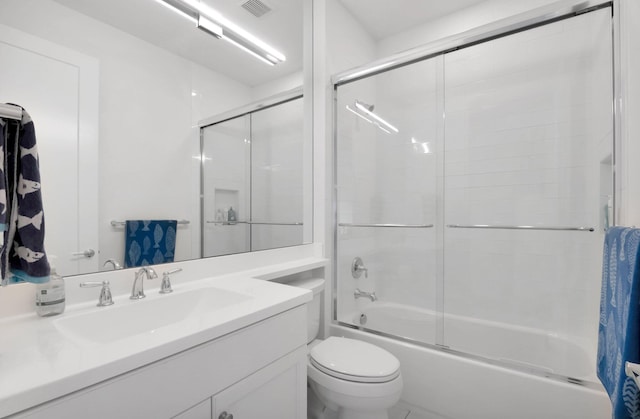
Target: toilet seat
{"points": [[354, 360]]}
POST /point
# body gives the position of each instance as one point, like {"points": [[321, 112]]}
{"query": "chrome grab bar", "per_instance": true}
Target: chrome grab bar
{"points": [[507, 227], [225, 223], [386, 225]]}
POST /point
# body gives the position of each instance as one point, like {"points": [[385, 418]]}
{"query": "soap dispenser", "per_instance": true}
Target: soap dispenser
{"points": [[50, 296]]}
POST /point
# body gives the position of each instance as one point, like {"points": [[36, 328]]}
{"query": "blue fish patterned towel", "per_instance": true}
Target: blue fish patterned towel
{"points": [[149, 242], [619, 329]]}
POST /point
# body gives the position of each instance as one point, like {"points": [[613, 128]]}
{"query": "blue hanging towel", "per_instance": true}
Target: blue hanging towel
{"points": [[149, 242], [619, 329]]}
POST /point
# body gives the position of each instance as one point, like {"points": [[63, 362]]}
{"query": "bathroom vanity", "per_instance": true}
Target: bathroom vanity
{"points": [[216, 347]]}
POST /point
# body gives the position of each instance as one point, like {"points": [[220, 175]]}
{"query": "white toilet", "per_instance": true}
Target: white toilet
{"points": [[355, 379]]}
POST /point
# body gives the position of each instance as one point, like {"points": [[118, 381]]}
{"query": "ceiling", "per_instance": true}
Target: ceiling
{"points": [[281, 28], [384, 18], [146, 19]]}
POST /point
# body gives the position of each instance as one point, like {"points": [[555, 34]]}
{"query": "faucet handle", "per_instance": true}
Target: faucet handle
{"points": [[105, 298], [357, 267], [165, 288]]}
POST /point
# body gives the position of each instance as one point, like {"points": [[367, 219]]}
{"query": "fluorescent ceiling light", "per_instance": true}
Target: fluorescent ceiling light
{"points": [[214, 23], [209, 27], [249, 50], [180, 9], [366, 110]]}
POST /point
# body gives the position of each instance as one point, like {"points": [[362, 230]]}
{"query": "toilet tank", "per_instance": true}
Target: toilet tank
{"points": [[316, 285]]}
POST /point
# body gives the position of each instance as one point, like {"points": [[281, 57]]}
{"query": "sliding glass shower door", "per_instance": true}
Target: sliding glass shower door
{"points": [[386, 172], [527, 172], [475, 186]]}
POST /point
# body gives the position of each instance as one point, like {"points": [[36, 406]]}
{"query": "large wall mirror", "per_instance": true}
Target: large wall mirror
{"points": [[118, 91]]}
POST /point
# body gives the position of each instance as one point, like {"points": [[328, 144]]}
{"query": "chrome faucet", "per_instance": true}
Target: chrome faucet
{"points": [[364, 294], [105, 298], [137, 292], [357, 267], [114, 263]]}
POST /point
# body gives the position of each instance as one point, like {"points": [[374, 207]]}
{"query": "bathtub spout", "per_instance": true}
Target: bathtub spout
{"points": [[363, 294]]}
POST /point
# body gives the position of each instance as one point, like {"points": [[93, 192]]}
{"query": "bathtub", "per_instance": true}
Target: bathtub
{"points": [[524, 379]]}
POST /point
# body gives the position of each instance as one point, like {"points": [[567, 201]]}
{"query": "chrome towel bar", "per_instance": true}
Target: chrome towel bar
{"points": [[386, 225], [226, 223], [122, 223], [507, 227]]}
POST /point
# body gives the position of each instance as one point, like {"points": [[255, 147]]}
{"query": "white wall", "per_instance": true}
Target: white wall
{"points": [[348, 43], [472, 17], [275, 87], [629, 103], [150, 101]]}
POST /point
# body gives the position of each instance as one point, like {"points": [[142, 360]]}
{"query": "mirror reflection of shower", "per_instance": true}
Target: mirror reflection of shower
{"points": [[365, 111], [253, 178]]}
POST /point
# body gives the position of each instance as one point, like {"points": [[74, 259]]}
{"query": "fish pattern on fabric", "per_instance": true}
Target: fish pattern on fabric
{"points": [[152, 244], [619, 326], [35, 221], [22, 220]]}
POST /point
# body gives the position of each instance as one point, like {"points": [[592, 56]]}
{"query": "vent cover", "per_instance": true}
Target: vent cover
{"points": [[256, 8]]}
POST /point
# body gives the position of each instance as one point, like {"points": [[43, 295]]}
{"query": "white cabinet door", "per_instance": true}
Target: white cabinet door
{"points": [[199, 411], [277, 391]]}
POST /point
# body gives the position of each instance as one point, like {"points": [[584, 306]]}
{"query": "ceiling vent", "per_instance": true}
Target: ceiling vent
{"points": [[256, 8]]}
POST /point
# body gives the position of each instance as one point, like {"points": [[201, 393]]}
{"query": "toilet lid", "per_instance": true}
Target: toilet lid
{"points": [[354, 360]]}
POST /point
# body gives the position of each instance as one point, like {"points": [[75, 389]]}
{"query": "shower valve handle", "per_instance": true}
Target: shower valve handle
{"points": [[357, 267]]}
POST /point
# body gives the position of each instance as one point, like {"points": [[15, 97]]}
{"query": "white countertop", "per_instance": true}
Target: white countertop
{"points": [[39, 362]]}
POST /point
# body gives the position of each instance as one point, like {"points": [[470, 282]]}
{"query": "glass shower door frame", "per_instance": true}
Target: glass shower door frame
{"points": [[520, 23]]}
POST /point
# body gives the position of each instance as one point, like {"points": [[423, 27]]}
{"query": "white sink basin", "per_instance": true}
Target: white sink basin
{"points": [[131, 318]]}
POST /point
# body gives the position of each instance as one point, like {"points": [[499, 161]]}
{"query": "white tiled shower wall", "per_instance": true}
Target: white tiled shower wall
{"points": [[525, 139], [277, 175]]}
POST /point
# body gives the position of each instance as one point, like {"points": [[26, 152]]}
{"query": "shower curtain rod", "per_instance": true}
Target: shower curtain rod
{"points": [[10, 111]]}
